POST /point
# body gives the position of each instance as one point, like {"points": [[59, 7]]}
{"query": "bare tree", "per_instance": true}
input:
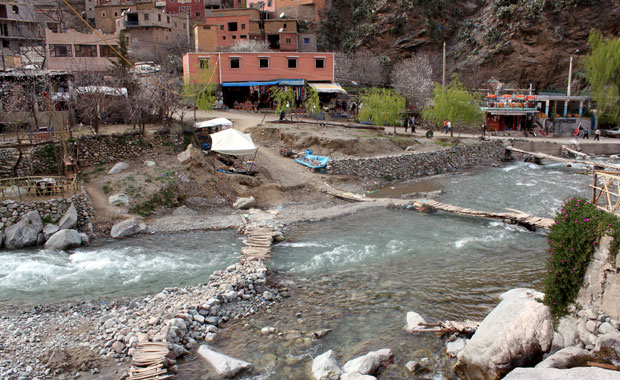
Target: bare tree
{"points": [[363, 67], [166, 95], [96, 101], [413, 78]]}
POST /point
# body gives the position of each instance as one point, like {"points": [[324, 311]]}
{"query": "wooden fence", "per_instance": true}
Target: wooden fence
{"points": [[606, 190], [23, 188]]}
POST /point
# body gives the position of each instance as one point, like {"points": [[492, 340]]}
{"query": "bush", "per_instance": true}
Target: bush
{"points": [[578, 228]]}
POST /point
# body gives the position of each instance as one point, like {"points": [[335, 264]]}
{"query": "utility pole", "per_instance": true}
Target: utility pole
{"points": [[443, 77], [570, 74]]}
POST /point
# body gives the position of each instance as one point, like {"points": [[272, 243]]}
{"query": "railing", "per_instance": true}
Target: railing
{"points": [[606, 190], [37, 187]]}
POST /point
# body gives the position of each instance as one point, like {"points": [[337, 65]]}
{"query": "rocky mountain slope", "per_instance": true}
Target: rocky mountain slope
{"points": [[516, 41]]}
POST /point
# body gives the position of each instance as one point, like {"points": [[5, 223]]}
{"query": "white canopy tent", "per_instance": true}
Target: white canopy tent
{"points": [[214, 123], [231, 141]]}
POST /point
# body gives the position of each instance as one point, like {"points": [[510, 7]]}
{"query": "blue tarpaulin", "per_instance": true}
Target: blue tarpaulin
{"points": [[281, 82]]}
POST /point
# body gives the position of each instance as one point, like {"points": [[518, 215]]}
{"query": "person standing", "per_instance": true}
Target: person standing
{"points": [[586, 134], [597, 135], [445, 127], [449, 127], [412, 122], [406, 123], [484, 130]]}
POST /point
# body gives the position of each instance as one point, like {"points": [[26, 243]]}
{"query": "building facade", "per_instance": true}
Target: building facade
{"points": [[70, 50], [263, 5], [301, 9], [109, 10], [19, 31], [205, 37], [194, 8]]}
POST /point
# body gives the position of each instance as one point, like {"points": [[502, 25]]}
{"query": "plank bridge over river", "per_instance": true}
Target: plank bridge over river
{"points": [[258, 243], [513, 216]]}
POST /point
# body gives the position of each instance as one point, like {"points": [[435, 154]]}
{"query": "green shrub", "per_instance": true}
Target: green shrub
{"points": [[577, 231]]}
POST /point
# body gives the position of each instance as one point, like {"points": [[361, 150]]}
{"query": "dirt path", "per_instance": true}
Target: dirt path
{"points": [[105, 213]]}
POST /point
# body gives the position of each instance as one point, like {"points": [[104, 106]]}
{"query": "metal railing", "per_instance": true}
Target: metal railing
{"points": [[606, 190], [26, 188]]}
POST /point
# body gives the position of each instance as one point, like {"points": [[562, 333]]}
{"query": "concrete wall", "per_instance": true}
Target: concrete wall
{"points": [[412, 165]]}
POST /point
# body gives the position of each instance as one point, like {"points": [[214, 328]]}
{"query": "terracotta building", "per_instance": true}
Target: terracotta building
{"points": [[194, 8]]}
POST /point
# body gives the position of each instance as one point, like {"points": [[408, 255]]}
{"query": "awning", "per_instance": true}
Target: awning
{"points": [[248, 84], [214, 123], [329, 88], [231, 141]]}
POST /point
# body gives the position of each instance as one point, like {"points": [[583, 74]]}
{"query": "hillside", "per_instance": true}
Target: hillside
{"points": [[515, 41]]}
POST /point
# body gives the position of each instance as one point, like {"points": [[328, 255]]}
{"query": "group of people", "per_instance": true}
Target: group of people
{"points": [[409, 122], [586, 133], [447, 127]]}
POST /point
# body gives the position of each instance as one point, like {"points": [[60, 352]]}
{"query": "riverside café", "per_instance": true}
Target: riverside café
{"points": [[509, 112]]}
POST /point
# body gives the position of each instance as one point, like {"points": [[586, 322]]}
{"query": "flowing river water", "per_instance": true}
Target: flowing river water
{"points": [[357, 275]]}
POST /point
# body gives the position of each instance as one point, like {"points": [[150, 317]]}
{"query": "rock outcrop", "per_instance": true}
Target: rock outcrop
{"points": [[24, 233], [516, 333], [119, 167], [69, 219], [224, 365]]}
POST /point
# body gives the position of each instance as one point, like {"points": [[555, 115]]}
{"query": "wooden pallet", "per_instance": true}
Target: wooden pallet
{"points": [[148, 362], [258, 243]]}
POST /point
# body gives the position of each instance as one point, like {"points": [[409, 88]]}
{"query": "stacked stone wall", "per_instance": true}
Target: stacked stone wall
{"points": [[51, 210], [412, 165]]}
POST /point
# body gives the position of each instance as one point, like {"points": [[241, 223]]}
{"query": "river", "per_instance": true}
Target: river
{"points": [[357, 275]]}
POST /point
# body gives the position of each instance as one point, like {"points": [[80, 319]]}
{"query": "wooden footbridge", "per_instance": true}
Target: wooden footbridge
{"points": [[258, 243], [513, 216], [544, 156]]}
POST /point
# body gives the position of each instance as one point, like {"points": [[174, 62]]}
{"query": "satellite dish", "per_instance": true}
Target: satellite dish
{"points": [[354, 83], [281, 14], [280, 30]]}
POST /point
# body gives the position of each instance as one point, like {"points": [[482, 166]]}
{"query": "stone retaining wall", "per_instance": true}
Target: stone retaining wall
{"points": [[51, 210], [412, 165]]}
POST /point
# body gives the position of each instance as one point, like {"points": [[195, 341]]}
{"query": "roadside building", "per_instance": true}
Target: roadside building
{"points": [[20, 34], [307, 10], [246, 78], [107, 11], [205, 37], [153, 31], [70, 50]]}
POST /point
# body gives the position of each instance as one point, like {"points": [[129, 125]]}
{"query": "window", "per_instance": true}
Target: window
{"points": [[319, 63], [242, 26], [235, 63], [102, 14], [146, 17], [106, 51], [168, 19], [269, 3], [292, 63], [234, 37], [306, 40], [222, 27], [15, 9], [60, 51], [115, 14], [263, 62], [288, 41], [223, 37], [232, 26], [197, 14], [284, 26], [243, 36], [85, 50], [158, 17], [204, 63], [53, 26]]}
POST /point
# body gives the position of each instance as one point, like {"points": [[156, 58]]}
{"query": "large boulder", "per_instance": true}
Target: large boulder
{"points": [[49, 230], [244, 203], [325, 367], [414, 322], [577, 373], [224, 365], [119, 167], [516, 333], [369, 363], [568, 357], [25, 232], [120, 200], [69, 219], [127, 228], [63, 240]]}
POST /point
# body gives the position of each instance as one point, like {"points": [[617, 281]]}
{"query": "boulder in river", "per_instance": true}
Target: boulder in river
{"points": [[69, 219], [224, 365], [414, 321], [49, 230], [127, 228], [25, 232], [325, 367], [119, 167], [516, 333], [369, 363], [63, 240], [577, 373]]}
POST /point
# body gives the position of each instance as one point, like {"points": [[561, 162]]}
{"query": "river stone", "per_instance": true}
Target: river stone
{"points": [[63, 240], [567, 328], [577, 373], [244, 203], [224, 365], [611, 340], [49, 230], [69, 219], [516, 333], [453, 348], [568, 357], [413, 321], [25, 232], [325, 367], [356, 376], [118, 200], [85, 238], [364, 365], [127, 228], [119, 167]]}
